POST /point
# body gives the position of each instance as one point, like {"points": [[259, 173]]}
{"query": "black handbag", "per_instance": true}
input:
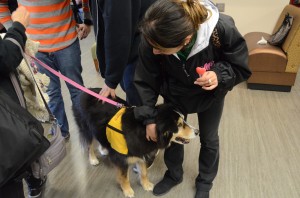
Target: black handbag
{"points": [[21, 138], [279, 36]]}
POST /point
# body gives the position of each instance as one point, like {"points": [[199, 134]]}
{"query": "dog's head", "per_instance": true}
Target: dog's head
{"points": [[171, 126]]}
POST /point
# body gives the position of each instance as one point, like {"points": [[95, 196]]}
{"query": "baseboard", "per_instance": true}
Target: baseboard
{"points": [[266, 87]]}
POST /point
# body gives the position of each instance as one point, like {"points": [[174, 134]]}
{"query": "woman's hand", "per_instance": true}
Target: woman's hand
{"points": [[208, 81], [151, 132], [21, 15], [106, 91]]}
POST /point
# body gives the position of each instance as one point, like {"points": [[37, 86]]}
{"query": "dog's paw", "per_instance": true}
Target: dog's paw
{"points": [[147, 186], [94, 161], [128, 192]]}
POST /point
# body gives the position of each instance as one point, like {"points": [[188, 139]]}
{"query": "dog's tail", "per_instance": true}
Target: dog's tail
{"points": [[82, 115]]}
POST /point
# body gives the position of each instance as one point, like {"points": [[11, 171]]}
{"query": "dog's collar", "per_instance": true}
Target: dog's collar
{"points": [[180, 114], [184, 119]]}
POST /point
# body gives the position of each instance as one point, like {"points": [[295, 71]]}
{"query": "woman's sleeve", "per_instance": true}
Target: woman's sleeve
{"points": [[147, 80], [10, 54], [232, 68]]}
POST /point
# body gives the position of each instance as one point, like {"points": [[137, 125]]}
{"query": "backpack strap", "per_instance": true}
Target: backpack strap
{"points": [[17, 87]]}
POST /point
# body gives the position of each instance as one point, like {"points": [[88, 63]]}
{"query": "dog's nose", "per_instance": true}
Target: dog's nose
{"points": [[196, 131]]}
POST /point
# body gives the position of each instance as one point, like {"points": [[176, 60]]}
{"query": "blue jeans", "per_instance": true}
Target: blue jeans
{"points": [[68, 62], [132, 96]]}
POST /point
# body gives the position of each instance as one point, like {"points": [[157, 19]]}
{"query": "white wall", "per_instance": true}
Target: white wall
{"points": [[254, 15]]}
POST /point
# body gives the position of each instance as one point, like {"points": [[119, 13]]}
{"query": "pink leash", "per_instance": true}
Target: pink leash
{"points": [[76, 84]]}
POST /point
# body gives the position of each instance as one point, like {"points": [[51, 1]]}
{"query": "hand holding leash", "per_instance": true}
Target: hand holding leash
{"points": [[151, 132], [107, 91]]}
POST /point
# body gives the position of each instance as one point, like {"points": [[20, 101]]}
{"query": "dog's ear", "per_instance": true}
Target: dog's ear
{"points": [[163, 138], [166, 123]]}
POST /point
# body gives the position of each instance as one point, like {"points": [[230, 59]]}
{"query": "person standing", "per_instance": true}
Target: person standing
{"points": [[54, 27], [117, 41], [178, 37], [10, 58], [117, 37]]}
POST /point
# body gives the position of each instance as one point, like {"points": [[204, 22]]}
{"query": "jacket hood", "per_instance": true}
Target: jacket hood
{"points": [[205, 30]]}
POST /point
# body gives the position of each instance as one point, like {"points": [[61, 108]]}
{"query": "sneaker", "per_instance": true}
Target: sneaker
{"points": [[36, 189], [164, 186], [201, 194]]}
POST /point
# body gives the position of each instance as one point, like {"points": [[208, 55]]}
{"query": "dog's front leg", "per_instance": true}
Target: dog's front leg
{"points": [[147, 185], [123, 180], [92, 156]]}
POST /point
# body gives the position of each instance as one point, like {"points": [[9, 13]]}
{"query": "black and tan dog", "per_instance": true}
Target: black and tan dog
{"points": [[126, 142]]}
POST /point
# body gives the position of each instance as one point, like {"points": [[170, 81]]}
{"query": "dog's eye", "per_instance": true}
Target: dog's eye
{"points": [[179, 124]]}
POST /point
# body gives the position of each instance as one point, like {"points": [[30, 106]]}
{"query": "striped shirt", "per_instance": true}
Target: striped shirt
{"points": [[51, 22]]}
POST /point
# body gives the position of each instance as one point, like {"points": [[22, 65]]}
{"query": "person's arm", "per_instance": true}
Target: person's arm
{"points": [[5, 15], [10, 56], [117, 30], [85, 28], [147, 80], [233, 68], [117, 39], [87, 17]]}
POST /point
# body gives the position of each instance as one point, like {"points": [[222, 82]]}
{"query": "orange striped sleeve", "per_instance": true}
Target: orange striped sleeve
{"points": [[4, 12], [85, 5], [86, 9], [5, 19]]}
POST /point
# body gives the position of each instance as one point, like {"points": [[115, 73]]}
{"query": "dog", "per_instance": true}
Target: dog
{"points": [[94, 117]]}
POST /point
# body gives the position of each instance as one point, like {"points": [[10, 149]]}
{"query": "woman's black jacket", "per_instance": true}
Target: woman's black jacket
{"points": [[173, 79]]}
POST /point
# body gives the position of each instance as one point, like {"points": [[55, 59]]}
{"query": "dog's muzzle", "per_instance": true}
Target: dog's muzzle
{"points": [[182, 140]]}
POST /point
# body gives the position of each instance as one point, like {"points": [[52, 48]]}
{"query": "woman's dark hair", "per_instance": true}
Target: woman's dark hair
{"points": [[168, 22]]}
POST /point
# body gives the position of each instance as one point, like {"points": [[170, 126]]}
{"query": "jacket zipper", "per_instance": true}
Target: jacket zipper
{"points": [[186, 73]]}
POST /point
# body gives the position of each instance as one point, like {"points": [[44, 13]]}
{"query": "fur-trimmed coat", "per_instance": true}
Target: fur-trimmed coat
{"points": [[34, 102]]}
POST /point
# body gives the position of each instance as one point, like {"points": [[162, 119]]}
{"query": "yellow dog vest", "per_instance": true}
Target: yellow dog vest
{"points": [[115, 135]]}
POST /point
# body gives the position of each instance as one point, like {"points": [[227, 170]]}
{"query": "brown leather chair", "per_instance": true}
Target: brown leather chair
{"points": [[275, 68]]}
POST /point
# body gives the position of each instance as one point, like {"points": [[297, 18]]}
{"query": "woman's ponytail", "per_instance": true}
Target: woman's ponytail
{"points": [[196, 12]]}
